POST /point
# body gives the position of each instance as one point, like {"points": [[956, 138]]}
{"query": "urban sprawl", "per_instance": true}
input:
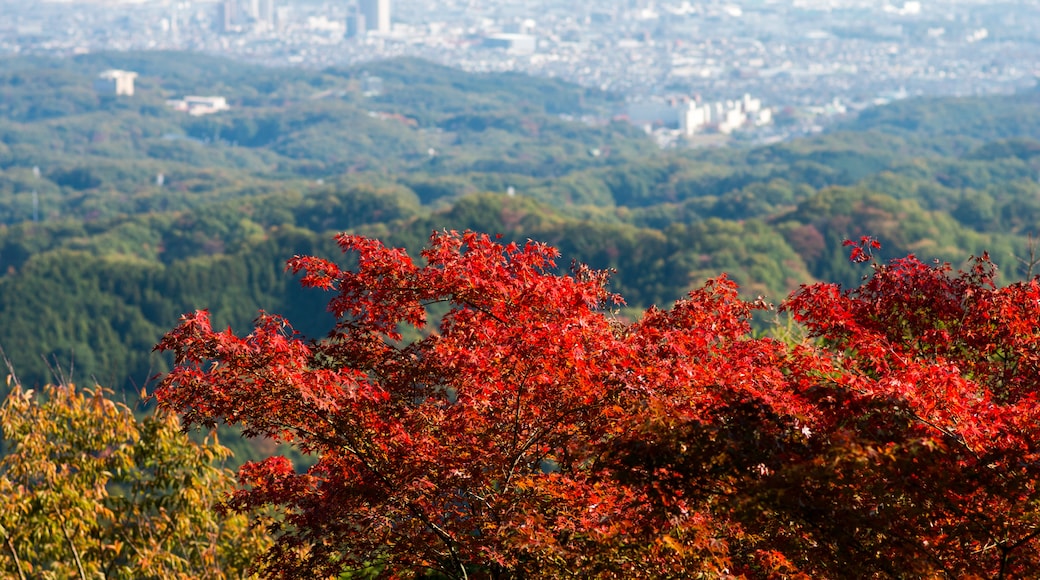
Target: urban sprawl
{"points": [[687, 68]]}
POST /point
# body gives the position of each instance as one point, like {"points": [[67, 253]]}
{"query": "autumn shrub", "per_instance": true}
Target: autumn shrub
{"points": [[88, 491]]}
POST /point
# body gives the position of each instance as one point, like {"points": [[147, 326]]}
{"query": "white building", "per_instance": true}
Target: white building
{"points": [[115, 82], [515, 43], [525, 26], [725, 117], [356, 26], [763, 117], [692, 117], [197, 106], [733, 119], [266, 14], [376, 13], [751, 105]]}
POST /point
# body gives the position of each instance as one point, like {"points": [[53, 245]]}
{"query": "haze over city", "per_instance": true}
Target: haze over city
{"points": [[786, 52]]}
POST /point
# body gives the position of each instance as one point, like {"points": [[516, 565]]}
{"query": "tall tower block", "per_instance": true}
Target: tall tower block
{"points": [[376, 13]]}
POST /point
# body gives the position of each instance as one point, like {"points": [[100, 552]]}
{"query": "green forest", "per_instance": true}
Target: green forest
{"points": [[99, 255], [121, 216]]}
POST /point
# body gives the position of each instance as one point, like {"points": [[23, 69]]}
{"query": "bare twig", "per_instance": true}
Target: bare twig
{"points": [[14, 556], [1030, 264], [72, 546], [10, 367]]}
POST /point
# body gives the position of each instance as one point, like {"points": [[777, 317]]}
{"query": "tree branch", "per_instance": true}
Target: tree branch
{"points": [[14, 554], [72, 546]]}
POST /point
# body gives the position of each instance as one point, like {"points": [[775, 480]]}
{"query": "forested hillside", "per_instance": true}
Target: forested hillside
{"points": [[99, 255]]}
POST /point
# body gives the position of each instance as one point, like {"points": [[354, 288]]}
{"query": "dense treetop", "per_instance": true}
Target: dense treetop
{"points": [[526, 430]]}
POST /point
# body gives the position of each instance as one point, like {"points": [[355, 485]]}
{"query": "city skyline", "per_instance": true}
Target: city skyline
{"points": [[803, 53]]}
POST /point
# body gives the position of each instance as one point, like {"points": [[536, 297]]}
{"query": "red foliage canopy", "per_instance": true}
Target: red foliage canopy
{"points": [[534, 434]]}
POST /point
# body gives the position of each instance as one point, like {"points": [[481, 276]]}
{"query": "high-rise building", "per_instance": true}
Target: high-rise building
{"points": [[282, 17], [115, 82], [227, 15], [356, 25], [376, 13], [174, 28], [266, 14]]}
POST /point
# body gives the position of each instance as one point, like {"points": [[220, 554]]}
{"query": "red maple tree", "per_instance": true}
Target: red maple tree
{"points": [[445, 453], [532, 433], [926, 461]]}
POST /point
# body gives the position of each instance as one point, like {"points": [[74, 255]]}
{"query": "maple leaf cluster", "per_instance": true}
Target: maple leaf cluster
{"points": [[523, 430], [862, 250]]}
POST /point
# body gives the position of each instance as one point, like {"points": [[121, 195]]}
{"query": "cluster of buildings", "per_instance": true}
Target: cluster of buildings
{"points": [[120, 83], [240, 15], [799, 54], [266, 17], [691, 116]]}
